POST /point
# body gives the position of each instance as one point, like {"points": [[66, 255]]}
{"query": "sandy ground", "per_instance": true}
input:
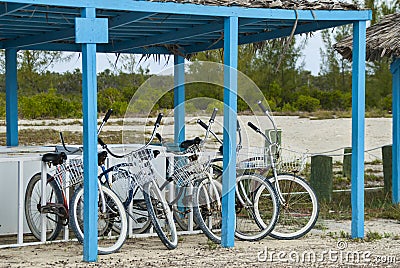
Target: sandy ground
{"points": [[301, 134], [323, 247], [324, 244]]}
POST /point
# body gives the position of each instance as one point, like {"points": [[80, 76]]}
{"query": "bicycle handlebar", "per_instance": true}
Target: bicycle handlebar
{"points": [[201, 123], [156, 125], [214, 114], [108, 114], [158, 121], [262, 107], [65, 147], [256, 129]]}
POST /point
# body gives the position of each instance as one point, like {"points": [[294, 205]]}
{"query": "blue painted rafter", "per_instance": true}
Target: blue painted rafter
{"points": [[168, 37], [70, 33], [28, 21], [302, 28], [193, 9], [176, 36], [10, 8], [73, 48]]}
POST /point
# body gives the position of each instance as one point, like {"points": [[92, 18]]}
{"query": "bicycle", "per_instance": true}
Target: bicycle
{"points": [[299, 206], [58, 211], [134, 182], [195, 170], [247, 185], [298, 201]]}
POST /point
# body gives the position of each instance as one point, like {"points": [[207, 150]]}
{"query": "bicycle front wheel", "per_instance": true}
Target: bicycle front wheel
{"points": [[160, 214], [132, 198], [54, 207], [299, 210], [112, 224], [207, 208], [256, 202]]}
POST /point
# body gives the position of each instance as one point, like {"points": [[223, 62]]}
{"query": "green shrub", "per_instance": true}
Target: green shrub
{"points": [[48, 105], [307, 103]]}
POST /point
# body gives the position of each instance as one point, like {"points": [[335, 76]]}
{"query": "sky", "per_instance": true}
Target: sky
{"points": [[311, 59]]}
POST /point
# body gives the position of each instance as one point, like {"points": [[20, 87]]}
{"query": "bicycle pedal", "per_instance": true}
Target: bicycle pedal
{"points": [[57, 209]]}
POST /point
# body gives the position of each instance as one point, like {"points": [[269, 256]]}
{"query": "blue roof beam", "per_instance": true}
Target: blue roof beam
{"points": [[37, 20], [193, 9], [10, 8], [72, 47], [70, 33], [302, 28], [174, 36]]}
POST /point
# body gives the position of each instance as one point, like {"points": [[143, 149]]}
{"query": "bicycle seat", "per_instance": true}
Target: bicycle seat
{"points": [[101, 158], [156, 153], [54, 158], [187, 143]]}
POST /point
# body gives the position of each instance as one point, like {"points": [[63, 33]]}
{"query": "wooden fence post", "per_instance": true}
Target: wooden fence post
{"points": [[322, 176], [347, 162], [387, 168]]}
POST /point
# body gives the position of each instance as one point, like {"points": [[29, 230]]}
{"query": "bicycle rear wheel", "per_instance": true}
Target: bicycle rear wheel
{"points": [[252, 209], [160, 214], [299, 211], [33, 197], [112, 222], [207, 207], [132, 198]]}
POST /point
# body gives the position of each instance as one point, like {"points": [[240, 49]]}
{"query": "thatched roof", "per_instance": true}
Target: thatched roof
{"points": [[383, 40], [284, 4]]}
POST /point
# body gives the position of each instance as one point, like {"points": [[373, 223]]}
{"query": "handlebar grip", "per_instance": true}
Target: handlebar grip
{"points": [[262, 106], [158, 121], [201, 123], [108, 114], [237, 125], [250, 124], [158, 136], [101, 142], [214, 114]]}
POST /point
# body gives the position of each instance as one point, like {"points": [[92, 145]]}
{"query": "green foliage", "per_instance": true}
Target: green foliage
{"points": [[307, 103], [2, 105], [48, 105]]}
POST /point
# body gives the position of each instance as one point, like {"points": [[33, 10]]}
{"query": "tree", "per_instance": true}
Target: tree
{"points": [[31, 64], [334, 71]]}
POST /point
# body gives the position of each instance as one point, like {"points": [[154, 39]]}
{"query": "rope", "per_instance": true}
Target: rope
{"points": [[326, 153]]}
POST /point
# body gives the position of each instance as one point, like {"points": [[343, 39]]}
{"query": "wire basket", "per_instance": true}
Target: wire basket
{"points": [[290, 161], [253, 158], [285, 160], [69, 173], [191, 165], [140, 166]]}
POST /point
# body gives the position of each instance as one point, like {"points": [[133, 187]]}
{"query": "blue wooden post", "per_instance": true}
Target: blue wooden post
{"points": [[230, 121], [394, 68], [358, 130], [11, 98], [179, 99], [89, 31]]}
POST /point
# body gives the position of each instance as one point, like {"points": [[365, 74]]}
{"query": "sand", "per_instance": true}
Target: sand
{"points": [[323, 243], [323, 247]]}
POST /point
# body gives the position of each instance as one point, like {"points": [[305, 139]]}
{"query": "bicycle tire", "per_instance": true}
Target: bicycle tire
{"points": [[207, 208], [289, 226], [132, 199], [181, 205], [33, 201], [161, 215], [248, 209], [109, 240]]}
